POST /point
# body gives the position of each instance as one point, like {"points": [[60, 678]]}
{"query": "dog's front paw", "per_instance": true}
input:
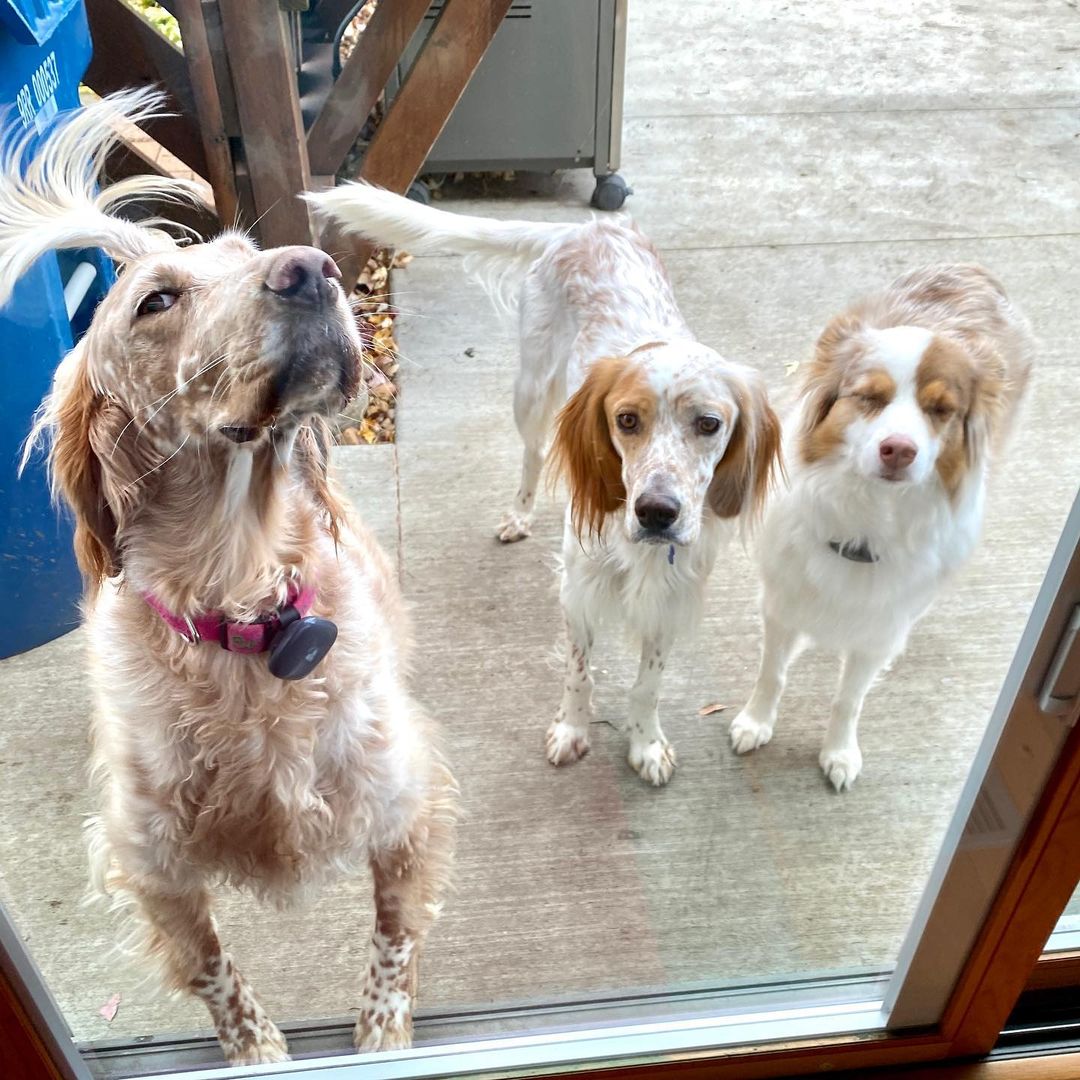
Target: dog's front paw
{"points": [[565, 743], [748, 734], [256, 1041], [653, 761], [386, 1016], [841, 766], [513, 528], [385, 1021]]}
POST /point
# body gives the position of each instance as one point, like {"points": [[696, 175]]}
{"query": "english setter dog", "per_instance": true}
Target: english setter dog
{"points": [[659, 437], [236, 740]]}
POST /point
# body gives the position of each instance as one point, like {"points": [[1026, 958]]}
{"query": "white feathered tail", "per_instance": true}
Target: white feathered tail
{"points": [[49, 198], [497, 253]]}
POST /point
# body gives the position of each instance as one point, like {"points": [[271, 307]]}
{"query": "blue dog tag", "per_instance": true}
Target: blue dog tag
{"points": [[300, 644]]}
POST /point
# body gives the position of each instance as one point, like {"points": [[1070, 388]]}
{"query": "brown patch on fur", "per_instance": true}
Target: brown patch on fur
{"points": [[959, 402], [855, 393], [742, 478], [647, 345], [873, 390], [582, 449], [837, 353]]}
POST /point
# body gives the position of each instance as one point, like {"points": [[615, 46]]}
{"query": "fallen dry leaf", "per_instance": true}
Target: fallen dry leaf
{"points": [[708, 710], [109, 1009]]}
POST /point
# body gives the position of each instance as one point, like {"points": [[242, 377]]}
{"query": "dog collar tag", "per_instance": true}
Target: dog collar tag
{"points": [[300, 644]]}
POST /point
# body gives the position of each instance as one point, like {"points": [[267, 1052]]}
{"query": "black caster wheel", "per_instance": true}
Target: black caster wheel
{"points": [[419, 192], [610, 192]]}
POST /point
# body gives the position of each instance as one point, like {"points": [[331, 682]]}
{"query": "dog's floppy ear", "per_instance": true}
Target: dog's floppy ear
{"points": [[985, 420], [313, 442], [48, 189], [582, 450], [743, 476], [839, 345], [94, 463]]}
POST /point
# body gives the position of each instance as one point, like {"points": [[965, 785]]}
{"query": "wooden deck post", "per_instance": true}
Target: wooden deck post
{"points": [[262, 66]]}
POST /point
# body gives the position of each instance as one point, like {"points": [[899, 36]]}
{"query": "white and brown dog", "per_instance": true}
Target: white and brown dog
{"points": [[902, 410], [187, 433], [659, 437]]}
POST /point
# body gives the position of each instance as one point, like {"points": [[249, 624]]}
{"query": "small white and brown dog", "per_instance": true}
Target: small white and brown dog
{"points": [[659, 437], [905, 405]]}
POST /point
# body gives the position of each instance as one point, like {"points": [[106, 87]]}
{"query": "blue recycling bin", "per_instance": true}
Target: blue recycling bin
{"points": [[44, 50]]}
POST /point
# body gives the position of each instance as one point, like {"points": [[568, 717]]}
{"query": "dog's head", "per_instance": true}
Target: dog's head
{"points": [[661, 437], [900, 405], [197, 355]]}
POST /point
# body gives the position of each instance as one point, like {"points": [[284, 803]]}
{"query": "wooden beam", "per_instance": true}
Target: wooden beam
{"points": [[1055, 971], [129, 52], [427, 97], [362, 79], [420, 109], [208, 106], [264, 84]]}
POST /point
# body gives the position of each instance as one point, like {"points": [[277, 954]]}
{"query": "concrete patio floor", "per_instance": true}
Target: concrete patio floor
{"points": [[785, 157]]}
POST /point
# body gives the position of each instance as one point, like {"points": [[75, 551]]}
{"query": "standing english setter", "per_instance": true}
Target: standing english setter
{"points": [[659, 437], [237, 741]]}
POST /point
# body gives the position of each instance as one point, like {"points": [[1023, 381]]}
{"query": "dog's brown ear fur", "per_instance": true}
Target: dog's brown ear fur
{"points": [[743, 476], [582, 450], [313, 442], [77, 420], [838, 347], [98, 465]]}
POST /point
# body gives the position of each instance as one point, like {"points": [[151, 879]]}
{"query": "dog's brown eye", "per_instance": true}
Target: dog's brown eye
{"points": [[627, 421], [942, 412], [708, 425], [155, 302], [871, 401]]}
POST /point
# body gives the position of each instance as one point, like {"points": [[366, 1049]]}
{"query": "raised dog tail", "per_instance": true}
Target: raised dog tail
{"points": [[49, 198], [497, 253]]}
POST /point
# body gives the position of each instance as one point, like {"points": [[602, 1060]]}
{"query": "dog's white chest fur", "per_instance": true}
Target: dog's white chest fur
{"points": [[642, 587], [918, 536]]}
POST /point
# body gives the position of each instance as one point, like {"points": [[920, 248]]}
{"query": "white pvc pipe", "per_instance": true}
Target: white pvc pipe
{"points": [[82, 277]]}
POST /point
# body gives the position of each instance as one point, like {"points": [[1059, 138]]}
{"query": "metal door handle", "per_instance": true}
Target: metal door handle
{"points": [[1061, 688]]}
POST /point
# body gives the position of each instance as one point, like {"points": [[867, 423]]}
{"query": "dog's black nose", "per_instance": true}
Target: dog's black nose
{"points": [[302, 273], [656, 511]]}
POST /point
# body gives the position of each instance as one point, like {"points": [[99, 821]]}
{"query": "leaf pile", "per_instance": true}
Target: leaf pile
{"points": [[371, 418]]}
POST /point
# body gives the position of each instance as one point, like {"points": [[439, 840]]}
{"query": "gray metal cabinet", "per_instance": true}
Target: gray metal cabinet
{"points": [[547, 95]]}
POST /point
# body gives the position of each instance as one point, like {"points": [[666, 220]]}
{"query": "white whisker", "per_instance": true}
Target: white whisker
{"points": [[160, 464]]}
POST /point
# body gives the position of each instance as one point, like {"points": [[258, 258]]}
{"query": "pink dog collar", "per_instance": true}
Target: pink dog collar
{"points": [[239, 637]]}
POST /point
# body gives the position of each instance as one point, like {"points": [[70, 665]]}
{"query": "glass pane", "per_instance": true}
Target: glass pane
{"points": [[784, 165]]}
